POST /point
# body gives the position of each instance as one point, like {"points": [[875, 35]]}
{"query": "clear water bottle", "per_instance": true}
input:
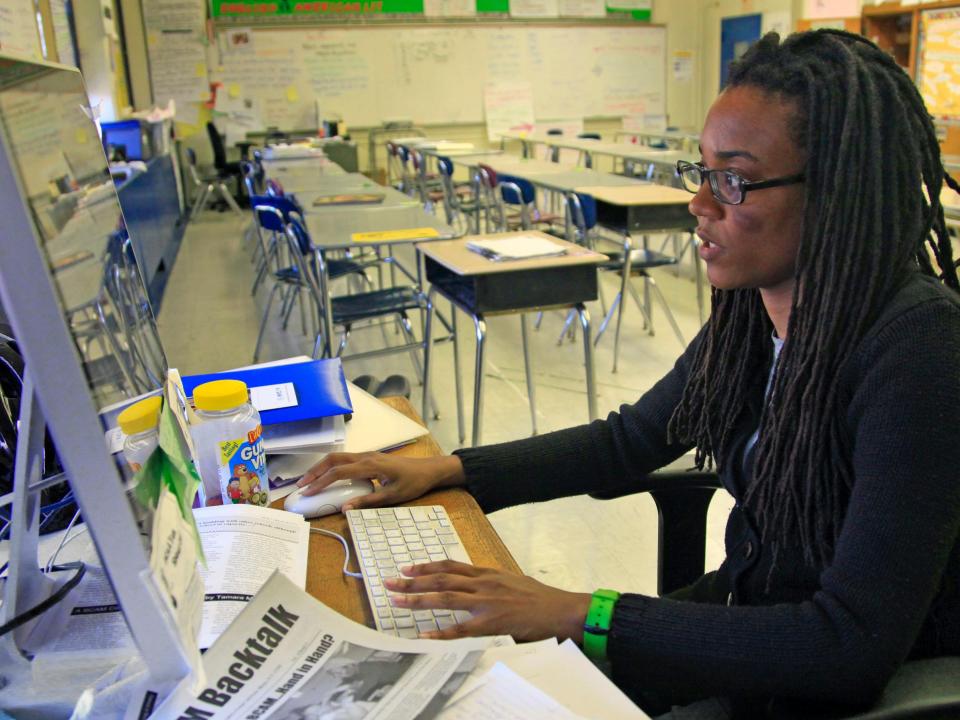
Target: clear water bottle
{"points": [[229, 444], [140, 425]]}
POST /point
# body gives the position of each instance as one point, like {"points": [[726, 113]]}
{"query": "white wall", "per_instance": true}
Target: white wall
{"points": [[94, 48], [713, 11]]}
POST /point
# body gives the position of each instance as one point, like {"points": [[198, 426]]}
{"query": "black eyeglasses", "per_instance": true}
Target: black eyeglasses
{"points": [[727, 187]]}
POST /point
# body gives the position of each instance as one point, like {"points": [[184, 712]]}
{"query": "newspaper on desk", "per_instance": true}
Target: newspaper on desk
{"points": [[288, 656]]}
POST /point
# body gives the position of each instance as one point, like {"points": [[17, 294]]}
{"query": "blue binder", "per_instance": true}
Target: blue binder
{"points": [[320, 386]]}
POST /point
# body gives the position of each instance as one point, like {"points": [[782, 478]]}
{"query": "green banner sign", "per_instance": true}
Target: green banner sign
{"points": [[312, 8], [493, 6]]}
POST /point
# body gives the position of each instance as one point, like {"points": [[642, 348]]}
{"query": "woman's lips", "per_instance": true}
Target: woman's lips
{"points": [[708, 249]]}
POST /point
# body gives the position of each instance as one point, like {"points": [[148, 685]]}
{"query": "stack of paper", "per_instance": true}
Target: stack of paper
{"points": [[538, 680], [518, 247]]}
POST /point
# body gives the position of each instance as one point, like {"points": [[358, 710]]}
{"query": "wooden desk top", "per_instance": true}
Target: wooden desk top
{"points": [[325, 579], [456, 257], [638, 195]]}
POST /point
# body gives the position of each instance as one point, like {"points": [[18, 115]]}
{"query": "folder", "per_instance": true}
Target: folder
{"points": [[320, 388]]}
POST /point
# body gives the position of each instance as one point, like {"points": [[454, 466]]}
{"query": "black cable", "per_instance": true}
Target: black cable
{"points": [[45, 605]]}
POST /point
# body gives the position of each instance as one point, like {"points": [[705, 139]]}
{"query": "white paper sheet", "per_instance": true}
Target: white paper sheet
{"points": [[506, 696], [243, 545]]}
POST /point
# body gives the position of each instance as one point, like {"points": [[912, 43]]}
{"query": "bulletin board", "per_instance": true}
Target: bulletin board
{"points": [[438, 74], [939, 62]]}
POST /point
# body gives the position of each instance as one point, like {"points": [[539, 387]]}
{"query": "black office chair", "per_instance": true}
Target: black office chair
{"points": [[226, 171], [927, 689]]}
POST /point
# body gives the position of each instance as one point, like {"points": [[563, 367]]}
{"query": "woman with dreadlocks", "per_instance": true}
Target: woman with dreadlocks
{"points": [[824, 388]]}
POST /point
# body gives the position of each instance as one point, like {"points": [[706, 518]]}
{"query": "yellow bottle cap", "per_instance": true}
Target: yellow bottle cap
{"points": [[220, 395], [141, 416]]}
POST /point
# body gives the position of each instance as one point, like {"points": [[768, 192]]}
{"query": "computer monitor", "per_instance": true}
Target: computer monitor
{"points": [[72, 289], [126, 140]]}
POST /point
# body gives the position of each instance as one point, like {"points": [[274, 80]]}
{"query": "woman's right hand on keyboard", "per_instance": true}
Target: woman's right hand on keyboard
{"points": [[400, 478]]}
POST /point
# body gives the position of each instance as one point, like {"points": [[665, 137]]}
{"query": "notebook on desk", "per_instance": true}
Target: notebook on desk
{"points": [[519, 247], [349, 199]]}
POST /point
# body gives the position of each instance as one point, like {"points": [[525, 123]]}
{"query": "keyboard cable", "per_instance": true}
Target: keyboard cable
{"points": [[346, 550]]}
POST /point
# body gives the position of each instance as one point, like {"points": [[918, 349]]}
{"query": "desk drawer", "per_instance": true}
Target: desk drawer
{"points": [[646, 218], [515, 290]]}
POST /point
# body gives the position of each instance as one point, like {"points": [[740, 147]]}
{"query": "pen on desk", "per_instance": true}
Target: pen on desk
{"points": [[488, 254]]}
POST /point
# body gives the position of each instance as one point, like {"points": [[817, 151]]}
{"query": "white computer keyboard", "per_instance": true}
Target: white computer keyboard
{"points": [[386, 539]]}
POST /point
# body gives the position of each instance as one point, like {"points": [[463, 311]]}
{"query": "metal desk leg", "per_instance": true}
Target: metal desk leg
{"points": [[457, 380], [481, 329], [588, 362], [646, 290], [427, 354], [528, 368], [625, 280], [327, 325]]}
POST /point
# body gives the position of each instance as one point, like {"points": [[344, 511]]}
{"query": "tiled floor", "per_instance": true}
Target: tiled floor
{"points": [[209, 321]]}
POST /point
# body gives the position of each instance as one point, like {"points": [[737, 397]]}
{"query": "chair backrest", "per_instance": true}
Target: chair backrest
{"points": [[451, 203], [249, 178], [268, 217], [583, 213], [285, 204], [216, 143], [488, 176], [300, 234], [516, 190]]}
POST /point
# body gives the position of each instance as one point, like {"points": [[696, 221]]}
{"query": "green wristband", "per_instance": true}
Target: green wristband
{"points": [[597, 625]]}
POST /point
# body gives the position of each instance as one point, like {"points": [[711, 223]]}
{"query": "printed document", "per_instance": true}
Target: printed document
{"points": [[289, 656], [243, 545]]}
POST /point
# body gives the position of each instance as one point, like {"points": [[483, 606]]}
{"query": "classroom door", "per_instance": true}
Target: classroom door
{"points": [[736, 35]]}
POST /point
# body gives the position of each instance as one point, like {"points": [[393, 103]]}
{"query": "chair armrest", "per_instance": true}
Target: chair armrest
{"points": [[682, 497]]}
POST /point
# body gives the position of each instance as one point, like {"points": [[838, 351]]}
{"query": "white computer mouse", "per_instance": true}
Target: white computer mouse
{"points": [[329, 500]]}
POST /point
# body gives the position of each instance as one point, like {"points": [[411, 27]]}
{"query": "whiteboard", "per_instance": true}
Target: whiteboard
{"points": [[437, 75]]}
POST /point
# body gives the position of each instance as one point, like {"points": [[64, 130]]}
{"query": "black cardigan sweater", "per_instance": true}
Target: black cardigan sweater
{"points": [[828, 636]]}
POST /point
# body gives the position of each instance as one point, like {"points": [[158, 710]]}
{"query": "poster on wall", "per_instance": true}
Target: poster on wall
{"points": [[583, 8], [534, 8], [637, 9], [18, 29], [820, 9], [450, 8], [271, 9], [508, 107], [939, 73]]}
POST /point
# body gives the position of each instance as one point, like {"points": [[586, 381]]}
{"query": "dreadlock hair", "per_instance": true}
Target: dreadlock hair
{"points": [[871, 214]]}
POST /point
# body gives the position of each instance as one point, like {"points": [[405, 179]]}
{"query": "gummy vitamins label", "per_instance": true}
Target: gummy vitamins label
{"points": [[243, 469]]}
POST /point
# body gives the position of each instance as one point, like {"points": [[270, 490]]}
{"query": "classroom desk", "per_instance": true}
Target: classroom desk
{"points": [[391, 197], [346, 595], [303, 173], [643, 209], [674, 138], [333, 230], [630, 155], [481, 287]]}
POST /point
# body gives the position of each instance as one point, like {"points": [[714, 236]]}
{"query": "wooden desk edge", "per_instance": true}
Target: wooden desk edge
{"points": [[346, 595]]}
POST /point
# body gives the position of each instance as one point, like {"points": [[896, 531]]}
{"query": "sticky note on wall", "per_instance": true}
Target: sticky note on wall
{"points": [[292, 94], [234, 90]]}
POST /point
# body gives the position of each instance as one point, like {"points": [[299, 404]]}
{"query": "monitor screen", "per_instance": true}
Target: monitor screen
{"points": [[56, 153], [123, 140]]}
